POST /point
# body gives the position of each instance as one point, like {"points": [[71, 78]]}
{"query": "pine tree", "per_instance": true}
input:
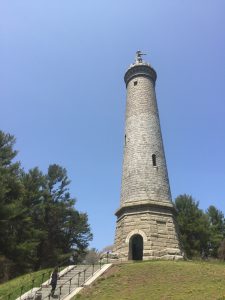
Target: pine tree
{"points": [[217, 229], [11, 208], [64, 227], [193, 225]]}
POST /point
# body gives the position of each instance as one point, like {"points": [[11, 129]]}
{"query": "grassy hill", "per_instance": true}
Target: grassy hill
{"points": [[26, 282], [154, 280]]}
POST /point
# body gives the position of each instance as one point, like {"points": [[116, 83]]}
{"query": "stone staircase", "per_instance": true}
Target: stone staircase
{"points": [[68, 282]]}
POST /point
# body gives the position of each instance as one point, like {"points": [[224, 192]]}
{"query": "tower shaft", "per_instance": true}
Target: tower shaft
{"points": [[144, 167]]}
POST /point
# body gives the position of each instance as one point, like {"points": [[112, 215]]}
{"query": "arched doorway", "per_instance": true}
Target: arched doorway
{"points": [[136, 247]]}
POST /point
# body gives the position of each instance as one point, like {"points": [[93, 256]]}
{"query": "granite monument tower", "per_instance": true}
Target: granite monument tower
{"points": [[146, 226]]}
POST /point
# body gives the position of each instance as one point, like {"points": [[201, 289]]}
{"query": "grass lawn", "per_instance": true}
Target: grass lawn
{"points": [[156, 280], [13, 286]]}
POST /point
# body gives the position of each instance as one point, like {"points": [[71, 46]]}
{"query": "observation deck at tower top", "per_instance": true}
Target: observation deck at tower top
{"points": [[140, 68]]}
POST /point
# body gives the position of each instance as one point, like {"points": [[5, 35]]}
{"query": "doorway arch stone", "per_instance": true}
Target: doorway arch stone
{"points": [[136, 231]]}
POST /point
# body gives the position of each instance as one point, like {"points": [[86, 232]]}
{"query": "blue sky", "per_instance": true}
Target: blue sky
{"points": [[62, 93]]}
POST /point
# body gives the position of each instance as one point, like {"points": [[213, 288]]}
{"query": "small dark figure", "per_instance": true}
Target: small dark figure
{"points": [[54, 279]]}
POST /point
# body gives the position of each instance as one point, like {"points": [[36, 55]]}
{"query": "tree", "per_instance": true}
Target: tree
{"points": [[57, 227], [64, 228], [217, 229], [193, 226], [11, 208], [92, 256], [108, 248], [33, 182]]}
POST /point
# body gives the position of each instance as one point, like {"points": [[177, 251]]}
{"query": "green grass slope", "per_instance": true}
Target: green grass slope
{"points": [[154, 280], [26, 282]]}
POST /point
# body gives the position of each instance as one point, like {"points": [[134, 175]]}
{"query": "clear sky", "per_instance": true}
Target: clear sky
{"points": [[63, 96]]}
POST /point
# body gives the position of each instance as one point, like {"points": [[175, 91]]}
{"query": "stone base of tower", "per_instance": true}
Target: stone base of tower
{"points": [[147, 232]]}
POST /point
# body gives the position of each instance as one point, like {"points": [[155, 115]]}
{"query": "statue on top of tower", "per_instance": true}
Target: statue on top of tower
{"points": [[139, 55]]}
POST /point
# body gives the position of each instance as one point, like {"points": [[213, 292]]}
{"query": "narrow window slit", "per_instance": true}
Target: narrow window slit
{"points": [[154, 160]]}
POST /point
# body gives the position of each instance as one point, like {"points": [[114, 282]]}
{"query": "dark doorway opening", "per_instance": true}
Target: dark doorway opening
{"points": [[136, 247]]}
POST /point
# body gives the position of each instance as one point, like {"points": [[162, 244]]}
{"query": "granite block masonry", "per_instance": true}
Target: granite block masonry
{"points": [[146, 225]]}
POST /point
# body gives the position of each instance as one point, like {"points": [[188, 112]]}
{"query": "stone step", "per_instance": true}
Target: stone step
{"points": [[67, 278]]}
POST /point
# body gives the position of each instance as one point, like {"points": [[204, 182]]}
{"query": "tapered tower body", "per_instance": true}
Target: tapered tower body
{"points": [[146, 226]]}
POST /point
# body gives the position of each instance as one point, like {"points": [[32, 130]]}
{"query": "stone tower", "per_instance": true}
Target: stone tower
{"points": [[146, 227]]}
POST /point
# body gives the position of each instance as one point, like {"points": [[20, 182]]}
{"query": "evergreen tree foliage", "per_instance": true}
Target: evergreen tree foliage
{"points": [[11, 208], [63, 227], [193, 225], [39, 225], [201, 232], [217, 229]]}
